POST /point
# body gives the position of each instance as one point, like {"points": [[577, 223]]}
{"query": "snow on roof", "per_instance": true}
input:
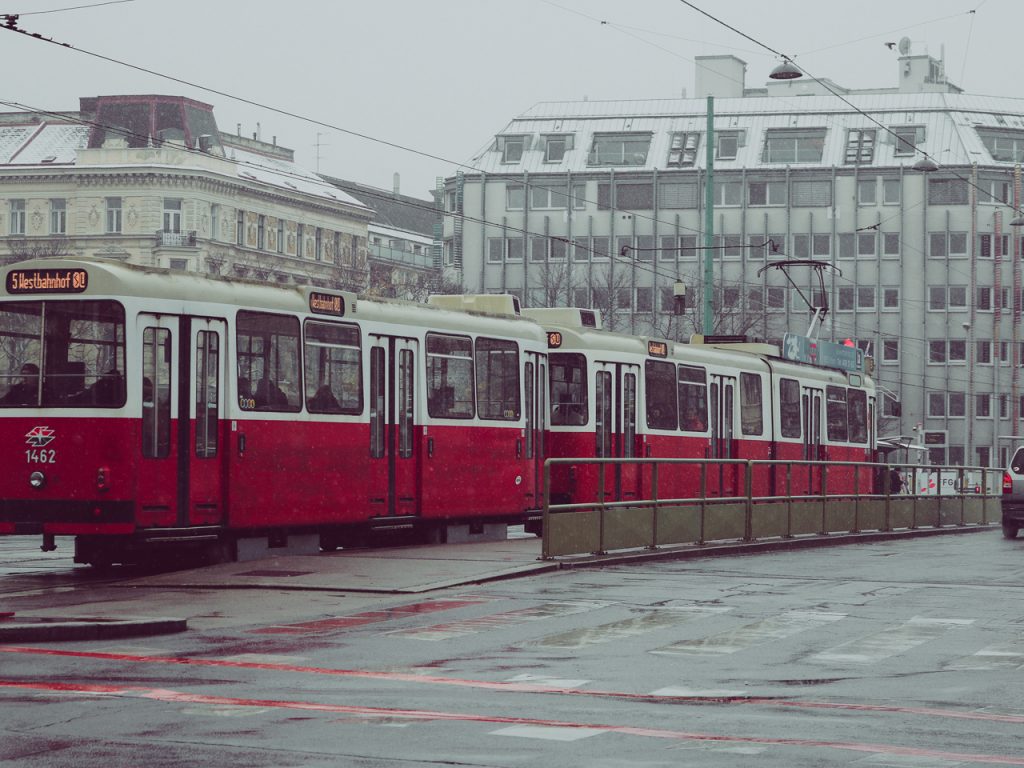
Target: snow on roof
{"points": [[58, 144], [948, 124]]}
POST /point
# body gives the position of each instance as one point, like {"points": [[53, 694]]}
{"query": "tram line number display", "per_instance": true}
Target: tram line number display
{"points": [[327, 304], [22, 281]]}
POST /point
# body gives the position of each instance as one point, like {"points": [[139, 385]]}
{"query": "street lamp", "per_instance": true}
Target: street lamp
{"points": [[925, 165], [785, 71]]}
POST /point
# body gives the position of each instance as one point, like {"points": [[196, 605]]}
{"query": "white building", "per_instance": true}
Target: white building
{"points": [[603, 204], [151, 180]]}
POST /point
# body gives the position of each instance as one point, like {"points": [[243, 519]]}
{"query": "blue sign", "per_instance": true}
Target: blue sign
{"points": [[824, 353]]}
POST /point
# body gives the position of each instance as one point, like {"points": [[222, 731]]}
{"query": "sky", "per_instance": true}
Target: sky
{"points": [[365, 89]]}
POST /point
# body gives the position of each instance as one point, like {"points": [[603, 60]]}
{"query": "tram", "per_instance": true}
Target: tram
{"points": [[620, 396], [168, 408], [143, 409]]}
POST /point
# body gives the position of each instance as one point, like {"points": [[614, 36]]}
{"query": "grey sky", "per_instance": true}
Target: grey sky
{"points": [[442, 77]]}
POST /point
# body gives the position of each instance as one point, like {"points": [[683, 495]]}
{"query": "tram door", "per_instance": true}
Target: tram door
{"points": [[615, 425], [723, 478], [180, 379], [535, 389], [392, 396], [811, 403]]}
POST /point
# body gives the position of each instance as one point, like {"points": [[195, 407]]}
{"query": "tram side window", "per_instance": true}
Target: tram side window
{"points": [[693, 399], [751, 410], [660, 391], [268, 362], [449, 376], [497, 379], [207, 393], [334, 374], [789, 407], [568, 389], [73, 359], [836, 412], [858, 415], [156, 393]]}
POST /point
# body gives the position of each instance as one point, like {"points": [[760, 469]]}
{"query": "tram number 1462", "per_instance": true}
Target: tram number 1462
{"points": [[40, 456]]}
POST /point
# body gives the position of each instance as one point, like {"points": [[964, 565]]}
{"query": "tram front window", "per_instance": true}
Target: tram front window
{"points": [[62, 354]]}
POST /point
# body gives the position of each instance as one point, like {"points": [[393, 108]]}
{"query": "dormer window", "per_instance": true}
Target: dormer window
{"points": [[512, 147], [1005, 145], [619, 149], [556, 146], [682, 151], [907, 139], [860, 146], [727, 144], [794, 146]]}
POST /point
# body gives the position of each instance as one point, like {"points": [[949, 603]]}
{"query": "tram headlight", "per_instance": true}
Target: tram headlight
{"points": [[37, 479]]}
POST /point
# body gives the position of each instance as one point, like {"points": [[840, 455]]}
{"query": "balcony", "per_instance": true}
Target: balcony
{"points": [[175, 239], [396, 256]]}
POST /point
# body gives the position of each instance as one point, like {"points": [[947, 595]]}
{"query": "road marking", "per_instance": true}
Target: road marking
{"points": [[690, 693], [322, 626], [889, 642], [650, 621], [548, 682], [182, 697], [1010, 656], [494, 621], [403, 677], [548, 734], [773, 628]]}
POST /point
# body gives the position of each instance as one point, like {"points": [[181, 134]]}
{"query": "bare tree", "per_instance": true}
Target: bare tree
{"points": [[23, 249], [611, 294]]}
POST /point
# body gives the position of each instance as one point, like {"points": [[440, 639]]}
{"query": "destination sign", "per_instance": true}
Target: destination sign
{"points": [[554, 339], [825, 353], [327, 304], [934, 438], [657, 348], [47, 281]]}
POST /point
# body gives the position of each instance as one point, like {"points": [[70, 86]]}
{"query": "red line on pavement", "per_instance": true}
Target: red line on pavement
{"points": [[408, 677], [367, 617], [420, 714]]}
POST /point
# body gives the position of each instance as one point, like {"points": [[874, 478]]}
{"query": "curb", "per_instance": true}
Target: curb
{"points": [[37, 629], [693, 551]]}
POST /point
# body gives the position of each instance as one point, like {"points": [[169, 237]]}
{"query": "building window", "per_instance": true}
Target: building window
{"points": [[515, 197], [726, 145], [983, 352], [890, 350], [937, 404], [511, 148], [113, 214], [240, 227], [988, 244], [860, 146], [811, 193], [957, 405], [866, 242], [890, 244], [983, 300], [994, 191], [867, 191], [261, 232], [280, 240], [766, 193], [682, 152], [319, 244], [775, 298], [172, 214], [794, 146], [1005, 146], [906, 140], [891, 191], [677, 194], [553, 197], [891, 298], [865, 297], [555, 147], [948, 192], [17, 217], [619, 149], [630, 197], [728, 193], [845, 298], [300, 241], [644, 300], [58, 216]]}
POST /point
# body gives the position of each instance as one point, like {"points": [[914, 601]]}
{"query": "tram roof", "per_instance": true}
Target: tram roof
{"points": [[182, 291]]}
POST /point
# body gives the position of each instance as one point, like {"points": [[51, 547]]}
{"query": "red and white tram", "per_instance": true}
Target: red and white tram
{"points": [[142, 408], [168, 407], [619, 396]]}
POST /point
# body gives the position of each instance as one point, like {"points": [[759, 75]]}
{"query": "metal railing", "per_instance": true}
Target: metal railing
{"points": [[807, 498], [175, 239]]}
